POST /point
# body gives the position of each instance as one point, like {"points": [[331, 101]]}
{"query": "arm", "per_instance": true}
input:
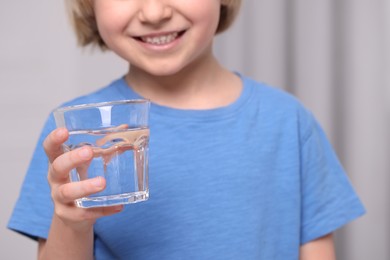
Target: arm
{"points": [[319, 249], [71, 230], [66, 243]]}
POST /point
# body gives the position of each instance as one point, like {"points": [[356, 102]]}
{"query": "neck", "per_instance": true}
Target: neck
{"points": [[204, 84]]}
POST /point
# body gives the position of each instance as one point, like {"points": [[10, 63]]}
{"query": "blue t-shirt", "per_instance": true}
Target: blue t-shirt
{"points": [[252, 180]]}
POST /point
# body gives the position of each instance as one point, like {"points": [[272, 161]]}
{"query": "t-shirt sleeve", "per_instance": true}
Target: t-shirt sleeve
{"points": [[328, 198], [33, 210]]}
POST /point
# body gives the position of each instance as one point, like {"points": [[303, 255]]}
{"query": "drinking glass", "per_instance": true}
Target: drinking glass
{"points": [[118, 134]]}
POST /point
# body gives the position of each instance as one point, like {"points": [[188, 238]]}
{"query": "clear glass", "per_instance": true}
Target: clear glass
{"points": [[118, 133]]}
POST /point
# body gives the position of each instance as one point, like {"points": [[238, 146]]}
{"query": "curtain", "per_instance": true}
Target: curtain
{"points": [[333, 56]]}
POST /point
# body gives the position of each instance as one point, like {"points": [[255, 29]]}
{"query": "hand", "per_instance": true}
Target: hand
{"points": [[64, 192]]}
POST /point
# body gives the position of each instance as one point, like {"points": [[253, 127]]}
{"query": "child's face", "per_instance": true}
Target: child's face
{"points": [[160, 37]]}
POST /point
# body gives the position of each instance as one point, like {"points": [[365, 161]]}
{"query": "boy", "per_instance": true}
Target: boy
{"points": [[238, 170]]}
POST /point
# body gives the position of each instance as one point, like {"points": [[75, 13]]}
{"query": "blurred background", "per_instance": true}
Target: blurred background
{"points": [[333, 55]]}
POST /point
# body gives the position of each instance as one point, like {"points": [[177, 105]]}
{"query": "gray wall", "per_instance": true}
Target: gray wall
{"points": [[40, 67], [332, 54]]}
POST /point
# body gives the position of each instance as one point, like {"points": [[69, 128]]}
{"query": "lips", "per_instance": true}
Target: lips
{"points": [[160, 39]]}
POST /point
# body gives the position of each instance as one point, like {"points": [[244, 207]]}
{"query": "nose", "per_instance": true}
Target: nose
{"points": [[154, 11]]}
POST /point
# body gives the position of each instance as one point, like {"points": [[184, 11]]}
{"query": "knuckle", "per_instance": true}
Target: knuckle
{"points": [[53, 196], [63, 194], [59, 178], [55, 167], [57, 171], [60, 212], [49, 173]]}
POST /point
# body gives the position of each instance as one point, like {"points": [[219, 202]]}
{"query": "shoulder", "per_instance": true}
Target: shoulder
{"points": [[277, 104], [269, 94]]}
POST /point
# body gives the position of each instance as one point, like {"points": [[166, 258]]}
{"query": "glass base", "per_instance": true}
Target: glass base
{"points": [[106, 201]]}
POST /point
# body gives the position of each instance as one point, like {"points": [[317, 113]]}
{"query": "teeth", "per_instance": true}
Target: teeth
{"points": [[160, 40]]}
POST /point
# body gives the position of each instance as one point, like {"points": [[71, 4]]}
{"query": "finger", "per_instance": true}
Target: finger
{"points": [[82, 214], [69, 192], [82, 170], [71, 214], [94, 213], [60, 168], [53, 143]]}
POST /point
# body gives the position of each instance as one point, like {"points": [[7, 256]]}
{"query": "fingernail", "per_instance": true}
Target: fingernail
{"points": [[97, 182], [85, 153]]}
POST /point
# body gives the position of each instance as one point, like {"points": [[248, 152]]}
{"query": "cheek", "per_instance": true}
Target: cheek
{"points": [[208, 22], [209, 14], [200, 12], [107, 27], [111, 20]]}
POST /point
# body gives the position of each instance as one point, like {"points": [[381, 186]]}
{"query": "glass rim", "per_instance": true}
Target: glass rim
{"points": [[101, 104]]}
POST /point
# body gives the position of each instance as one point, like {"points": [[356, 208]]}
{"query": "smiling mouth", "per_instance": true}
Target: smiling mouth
{"points": [[160, 39]]}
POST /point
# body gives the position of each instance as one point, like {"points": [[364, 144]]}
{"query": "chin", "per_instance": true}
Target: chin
{"points": [[164, 71]]}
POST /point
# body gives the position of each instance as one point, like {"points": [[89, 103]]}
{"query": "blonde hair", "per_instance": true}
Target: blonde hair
{"points": [[82, 16]]}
